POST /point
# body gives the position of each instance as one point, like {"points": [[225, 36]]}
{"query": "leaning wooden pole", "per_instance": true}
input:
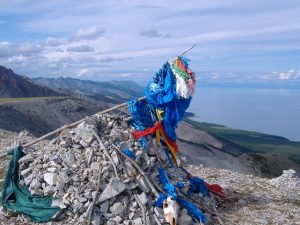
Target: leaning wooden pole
{"points": [[71, 125]]}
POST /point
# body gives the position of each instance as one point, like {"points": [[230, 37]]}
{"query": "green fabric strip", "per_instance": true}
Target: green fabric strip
{"points": [[179, 71], [18, 198]]}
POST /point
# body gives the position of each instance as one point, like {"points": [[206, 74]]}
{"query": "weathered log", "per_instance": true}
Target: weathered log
{"points": [[140, 170], [143, 209], [90, 210], [102, 146]]}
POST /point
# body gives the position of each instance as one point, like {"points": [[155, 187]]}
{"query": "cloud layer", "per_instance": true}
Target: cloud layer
{"points": [[122, 39], [90, 33]]}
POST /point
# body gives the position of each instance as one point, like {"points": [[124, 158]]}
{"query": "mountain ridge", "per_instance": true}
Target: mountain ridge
{"points": [[13, 85], [113, 90]]}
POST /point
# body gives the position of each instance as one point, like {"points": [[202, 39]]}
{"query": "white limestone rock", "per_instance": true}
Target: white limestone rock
{"points": [[114, 188], [50, 178]]}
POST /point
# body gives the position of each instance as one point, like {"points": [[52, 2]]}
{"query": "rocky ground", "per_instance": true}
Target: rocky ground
{"points": [[256, 200], [71, 176], [200, 147]]}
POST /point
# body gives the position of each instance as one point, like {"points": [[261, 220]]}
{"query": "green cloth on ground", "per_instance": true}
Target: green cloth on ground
{"points": [[18, 198]]}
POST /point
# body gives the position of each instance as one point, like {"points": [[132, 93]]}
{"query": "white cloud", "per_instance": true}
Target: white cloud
{"points": [[125, 75], [5, 43], [90, 33], [52, 65], [284, 76], [8, 49], [291, 74], [57, 56], [81, 48], [83, 72], [50, 41], [153, 33], [28, 49], [17, 59], [108, 58]]}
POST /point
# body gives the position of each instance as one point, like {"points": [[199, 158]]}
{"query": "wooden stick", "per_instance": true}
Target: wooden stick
{"points": [[123, 164], [139, 169], [157, 220], [188, 50], [4, 155], [214, 208], [218, 217], [71, 125], [143, 209], [102, 146], [90, 210]]}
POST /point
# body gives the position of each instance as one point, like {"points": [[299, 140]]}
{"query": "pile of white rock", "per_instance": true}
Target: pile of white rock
{"points": [[287, 181], [84, 171]]}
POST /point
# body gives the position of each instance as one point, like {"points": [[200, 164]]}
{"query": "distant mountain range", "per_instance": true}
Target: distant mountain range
{"points": [[16, 86], [110, 90], [43, 104], [13, 85]]}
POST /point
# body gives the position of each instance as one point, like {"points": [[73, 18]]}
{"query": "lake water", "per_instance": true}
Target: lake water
{"points": [[271, 111]]}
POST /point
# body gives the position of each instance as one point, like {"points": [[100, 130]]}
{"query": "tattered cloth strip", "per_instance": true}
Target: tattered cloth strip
{"points": [[215, 189], [192, 210], [141, 117], [199, 185], [18, 198], [159, 130], [167, 185], [140, 114], [129, 153], [170, 189], [185, 78]]}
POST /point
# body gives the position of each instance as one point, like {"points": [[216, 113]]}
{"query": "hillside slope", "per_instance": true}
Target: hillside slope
{"points": [[199, 147], [13, 85], [40, 116], [262, 154]]}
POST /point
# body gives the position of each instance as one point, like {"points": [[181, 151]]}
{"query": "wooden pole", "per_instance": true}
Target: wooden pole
{"points": [[187, 50], [102, 146], [142, 207], [140, 170], [90, 210]]}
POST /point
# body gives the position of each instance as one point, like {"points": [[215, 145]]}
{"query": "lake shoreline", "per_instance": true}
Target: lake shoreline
{"points": [[249, 141], [269, 111]]}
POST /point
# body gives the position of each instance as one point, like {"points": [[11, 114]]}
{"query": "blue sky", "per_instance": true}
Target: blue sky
{"points": [[237, 41]]}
